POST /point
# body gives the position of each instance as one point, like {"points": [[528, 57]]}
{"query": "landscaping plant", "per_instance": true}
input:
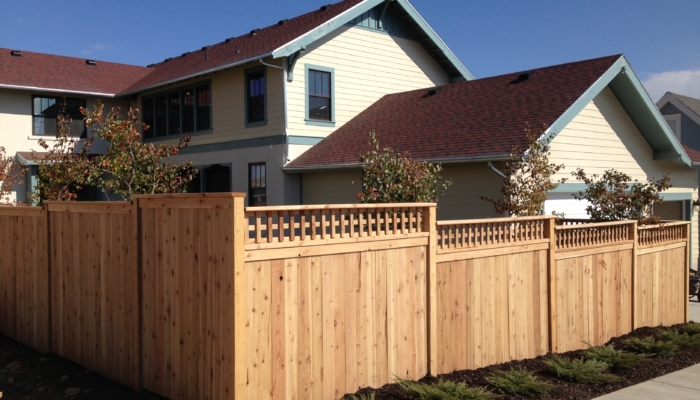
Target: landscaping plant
{"points": [[528, 177], [580, 370], [651, 346], [10, 174], [519, 381], [614, 196], [692, 328], [616, 359], [444, 390], [680, 339], [392, 177]]}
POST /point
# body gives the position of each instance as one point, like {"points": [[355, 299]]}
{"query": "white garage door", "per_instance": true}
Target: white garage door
{"points": [[565, 203]]}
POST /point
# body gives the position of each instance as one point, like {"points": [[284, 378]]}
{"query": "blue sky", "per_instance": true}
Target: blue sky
{"points": [[660, 38]]}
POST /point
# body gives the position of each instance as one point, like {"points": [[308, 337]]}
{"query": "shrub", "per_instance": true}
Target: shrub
{"points": [[444, 390], [519, 382], [616, 359], [361, 397], [651, 346], [680, 339], [692, 328], [579, 370]]}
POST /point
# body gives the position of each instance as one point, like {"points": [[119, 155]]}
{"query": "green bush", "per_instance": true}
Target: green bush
{"points": [[361, 397], [520, 382], [680, 339], [692, 328], [579, 370], [444, 390], [651, 346], [616, 359]]}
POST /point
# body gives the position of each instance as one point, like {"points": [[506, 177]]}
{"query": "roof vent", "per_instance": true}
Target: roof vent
{"points": [[229, 39], [205, 47], [522, 77], [254, 32], [150, 65], [167, 59], [15, 53], [434, 91], [283, 21], [327, 6], [185, 53], [90, 62]]}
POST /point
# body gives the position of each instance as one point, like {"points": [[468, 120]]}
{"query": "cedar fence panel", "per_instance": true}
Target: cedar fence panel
{"points": [[24, 276], [94, 287]]}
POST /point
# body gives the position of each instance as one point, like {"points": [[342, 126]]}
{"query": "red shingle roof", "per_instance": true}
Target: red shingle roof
{"points": [[692, 153], [48, 71], [240, 48], [464, 120]]}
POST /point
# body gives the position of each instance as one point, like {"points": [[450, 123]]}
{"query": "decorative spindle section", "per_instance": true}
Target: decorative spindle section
{"points": [[334, 222], [467, 234], [593, 234], [652, 235]]}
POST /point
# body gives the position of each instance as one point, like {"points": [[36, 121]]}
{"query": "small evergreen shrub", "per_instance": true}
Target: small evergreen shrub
{"points": [[616, 359], [680, 339], [580, 370], [519, 382], [692, 328], [444, 390], [651, 346]]}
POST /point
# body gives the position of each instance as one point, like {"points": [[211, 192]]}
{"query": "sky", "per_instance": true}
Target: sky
{"points": [[661, 39]]}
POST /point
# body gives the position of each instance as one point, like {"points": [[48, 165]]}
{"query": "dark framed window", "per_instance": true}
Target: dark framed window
{"points": [[217, 179], [178, 111], [320, 100], [257, 185], [46, 109], [255, 96]]}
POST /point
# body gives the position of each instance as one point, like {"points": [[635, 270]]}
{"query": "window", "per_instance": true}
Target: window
{"points": [[217, 179], [674, 122], [257, 192], [255, 96], [46, 110], [176, 112], [320, 96]]}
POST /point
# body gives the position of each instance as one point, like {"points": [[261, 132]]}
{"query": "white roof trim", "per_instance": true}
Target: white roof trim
{"points": [[52, 90]]}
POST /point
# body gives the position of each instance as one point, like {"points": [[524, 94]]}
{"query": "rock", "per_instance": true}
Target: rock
{"points": [[74, 391], [65, 378], [14, 366]]}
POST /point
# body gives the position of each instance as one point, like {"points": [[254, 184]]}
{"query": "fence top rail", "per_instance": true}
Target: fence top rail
{"points": [[493, 220], [664, 225], [338, 207], [594, 225], [226, 195]]}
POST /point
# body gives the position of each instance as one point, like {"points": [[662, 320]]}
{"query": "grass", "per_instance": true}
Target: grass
{"points": [[519, 382], [651, 346], [616, 359], [680, 339], [444, 390], [580, 370]]}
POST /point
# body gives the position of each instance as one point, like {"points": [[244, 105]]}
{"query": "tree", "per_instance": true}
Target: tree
{"points": [[393, 177], [528, 178], [10, 174], [615, 197]]}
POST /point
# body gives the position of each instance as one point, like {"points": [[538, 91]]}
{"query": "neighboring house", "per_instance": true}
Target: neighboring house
{"points": [[32, 88], [682, 114], [598, 116]]}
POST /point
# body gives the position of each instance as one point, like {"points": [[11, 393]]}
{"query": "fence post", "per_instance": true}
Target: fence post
{"points": [[240, 225], [635, 248], [552, 282], [686, 271], [430, 226]]}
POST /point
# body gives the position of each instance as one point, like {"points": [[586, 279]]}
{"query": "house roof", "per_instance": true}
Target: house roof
{"points": [[690, 102], [482, 119], [48, 72], [693, 154], [475, 119], [688, 105]]}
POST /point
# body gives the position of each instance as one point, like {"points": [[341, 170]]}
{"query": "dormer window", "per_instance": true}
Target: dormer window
{"points": [[674, 122]]}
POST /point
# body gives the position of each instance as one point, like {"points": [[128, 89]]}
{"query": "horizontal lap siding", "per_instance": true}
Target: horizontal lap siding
{"points": [[324, 326], [338, 187], [24, 286]]}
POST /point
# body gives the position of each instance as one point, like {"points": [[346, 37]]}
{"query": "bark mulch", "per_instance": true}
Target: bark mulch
{"points": [[647, 369]]}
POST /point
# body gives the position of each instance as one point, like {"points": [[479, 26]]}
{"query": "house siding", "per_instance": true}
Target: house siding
{"points": [[690, 131], [367, 65], [602, 136], [332, 187]]}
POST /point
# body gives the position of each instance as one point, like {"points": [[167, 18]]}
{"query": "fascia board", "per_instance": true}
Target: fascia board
{"points": [[51, 90]]}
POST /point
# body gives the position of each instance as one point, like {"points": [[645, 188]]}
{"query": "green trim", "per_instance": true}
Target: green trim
{"points": [[305, 140], [245, 96], [235, 144], [676, 196], [309, 121], [629, 91], [349, 15], [569, 188]]}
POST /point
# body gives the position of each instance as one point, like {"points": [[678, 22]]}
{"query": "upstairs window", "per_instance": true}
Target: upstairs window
{"points": [[255, 96], [177, 112], [46, 109], [257, 187], [320, 99], [674, 122]]}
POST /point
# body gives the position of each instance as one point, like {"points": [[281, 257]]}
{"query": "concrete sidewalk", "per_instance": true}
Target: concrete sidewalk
{"points": [[679, 385]]}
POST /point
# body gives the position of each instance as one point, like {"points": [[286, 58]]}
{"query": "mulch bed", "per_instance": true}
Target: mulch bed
{"points": [[647, 369], [27, 374]]}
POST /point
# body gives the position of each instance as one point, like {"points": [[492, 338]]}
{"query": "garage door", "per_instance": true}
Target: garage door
{"points": [[565, 203]]}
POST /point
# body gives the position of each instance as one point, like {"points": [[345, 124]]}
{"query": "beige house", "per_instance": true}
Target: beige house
{"points": [[596, 112]]}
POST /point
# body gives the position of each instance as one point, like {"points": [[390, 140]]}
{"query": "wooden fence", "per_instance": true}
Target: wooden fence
{"points": [[195, 296]]}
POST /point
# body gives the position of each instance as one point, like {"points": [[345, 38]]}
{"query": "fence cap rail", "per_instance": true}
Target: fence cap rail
{"points": [[339, 206], [664, 225], [493, 220], [188, 195], [594, 225]]}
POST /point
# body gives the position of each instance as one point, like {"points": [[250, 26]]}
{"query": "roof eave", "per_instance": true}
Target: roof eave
{"points": [[445, 160], [55, 90]]}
